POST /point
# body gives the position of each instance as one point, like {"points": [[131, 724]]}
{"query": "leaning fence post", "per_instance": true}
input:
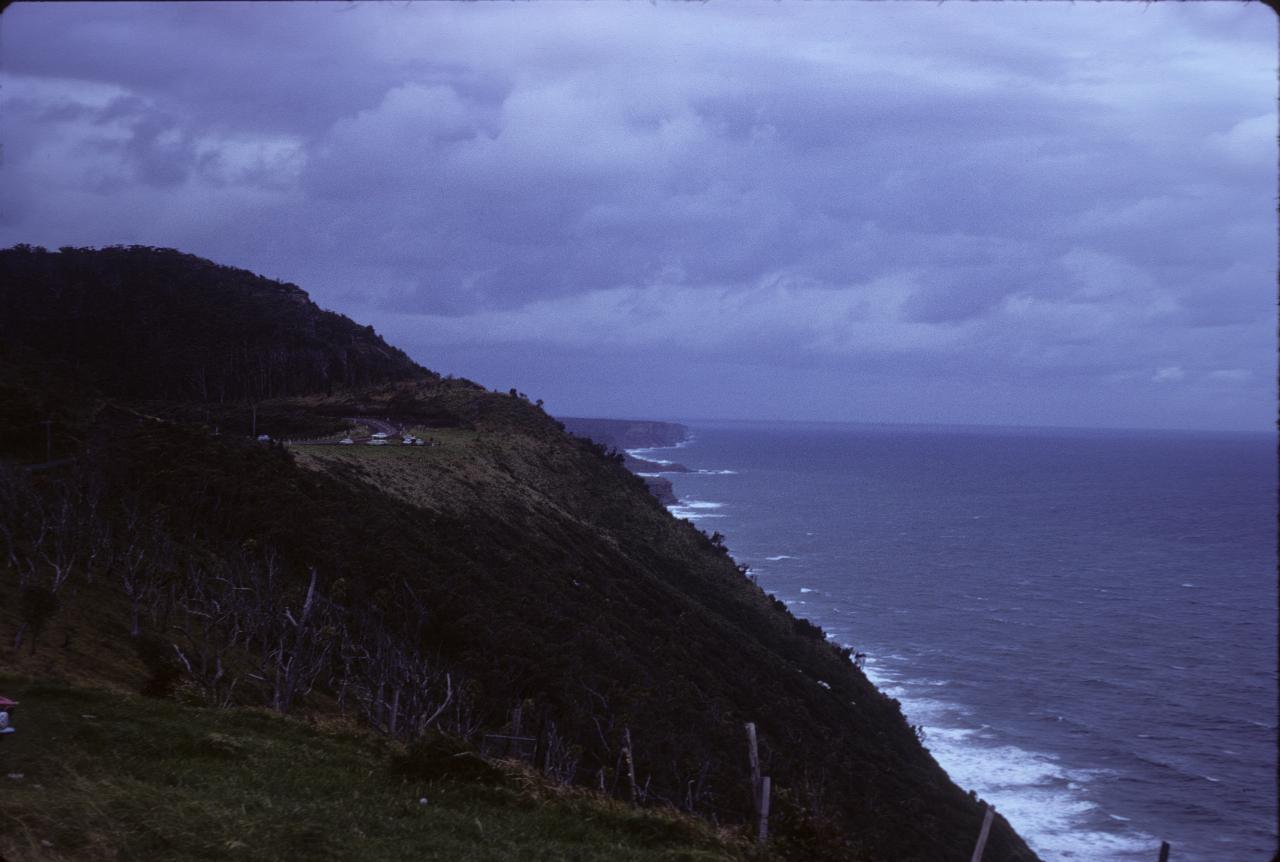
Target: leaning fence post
{"points": [[1164, 851], [982, 836], [763, 828]]}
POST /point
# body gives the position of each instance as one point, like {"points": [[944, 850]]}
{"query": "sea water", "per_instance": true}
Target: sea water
{"points": [[1084, 622]]}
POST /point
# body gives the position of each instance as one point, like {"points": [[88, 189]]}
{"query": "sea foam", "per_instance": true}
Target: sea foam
{"points": [[694, 510], [1045, 800]]}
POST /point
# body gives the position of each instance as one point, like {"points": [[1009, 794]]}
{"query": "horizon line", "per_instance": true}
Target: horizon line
{"points": [[925, 424]]}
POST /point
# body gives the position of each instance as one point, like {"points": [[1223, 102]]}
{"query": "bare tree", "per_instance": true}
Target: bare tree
{"points": [[301, 649], [399, 691], [209, 629], [48, 537], [560, 757], [140, 554]]}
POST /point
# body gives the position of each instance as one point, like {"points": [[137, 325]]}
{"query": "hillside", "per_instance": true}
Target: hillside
{"points": [[155, 324], [177, 782], [510, 579]]}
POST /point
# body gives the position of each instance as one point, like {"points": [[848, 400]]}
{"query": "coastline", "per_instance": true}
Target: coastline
{"points": [[1051, 797], [632, 436]]}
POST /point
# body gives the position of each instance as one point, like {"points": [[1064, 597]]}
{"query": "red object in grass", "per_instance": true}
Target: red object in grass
{"points": [[6, 707]]}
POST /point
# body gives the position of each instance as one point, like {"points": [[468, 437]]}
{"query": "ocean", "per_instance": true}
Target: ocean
{"points": [[1084, 622]]}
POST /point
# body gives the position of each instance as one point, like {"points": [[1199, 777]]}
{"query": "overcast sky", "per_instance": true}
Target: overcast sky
{"points": [[996, 213]]}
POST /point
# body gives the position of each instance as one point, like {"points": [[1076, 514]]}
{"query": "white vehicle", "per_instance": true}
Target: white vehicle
{"points": [[346, 441], [6, 715]]}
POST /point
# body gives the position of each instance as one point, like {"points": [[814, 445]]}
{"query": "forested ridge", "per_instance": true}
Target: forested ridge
{"points": [[153, 323], [510, 579]]}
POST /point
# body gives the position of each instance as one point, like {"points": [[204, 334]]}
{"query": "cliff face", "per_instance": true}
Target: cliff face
{"points": [[662, 489], [519, 576]]}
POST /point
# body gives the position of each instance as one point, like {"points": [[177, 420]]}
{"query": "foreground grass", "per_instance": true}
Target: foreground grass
{"points": [[98, 775]]}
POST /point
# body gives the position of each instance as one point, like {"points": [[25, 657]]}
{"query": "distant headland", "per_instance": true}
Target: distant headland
{"points": [[626, 434]]}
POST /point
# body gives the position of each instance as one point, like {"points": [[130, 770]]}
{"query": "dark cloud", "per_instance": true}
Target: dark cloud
{"points": [[964, 208]]}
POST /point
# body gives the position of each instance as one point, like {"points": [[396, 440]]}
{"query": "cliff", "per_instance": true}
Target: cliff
{"points": [[662, 489], [511, 579]]}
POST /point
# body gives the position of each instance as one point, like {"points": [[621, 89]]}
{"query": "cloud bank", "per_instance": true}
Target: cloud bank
{"points": [[1043, 214]]}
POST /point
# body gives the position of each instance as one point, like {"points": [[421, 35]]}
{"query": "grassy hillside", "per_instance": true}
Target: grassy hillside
{"points": [[96, 775], [513, 579]]}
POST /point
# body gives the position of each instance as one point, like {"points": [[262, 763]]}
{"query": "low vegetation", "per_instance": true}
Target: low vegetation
{"points": [[99, 775], [515, 580]]}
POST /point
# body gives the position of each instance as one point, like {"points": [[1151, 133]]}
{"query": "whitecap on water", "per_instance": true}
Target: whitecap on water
{"points": [[1038, 795], [694, 510], [1046, 800]]}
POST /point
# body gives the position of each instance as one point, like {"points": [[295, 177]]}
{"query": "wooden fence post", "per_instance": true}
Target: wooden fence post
{"points": [[1164, 851], [982, 836], [631, 765], [760, 787], [763, 828]]}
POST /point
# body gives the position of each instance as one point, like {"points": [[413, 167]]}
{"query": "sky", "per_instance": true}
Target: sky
{"points": [[986, 213]]}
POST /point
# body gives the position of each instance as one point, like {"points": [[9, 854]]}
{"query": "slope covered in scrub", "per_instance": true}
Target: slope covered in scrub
{"points": [[512, 579]]}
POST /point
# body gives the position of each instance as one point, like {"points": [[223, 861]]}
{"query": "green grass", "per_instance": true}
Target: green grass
{"points": [[110, 776]]}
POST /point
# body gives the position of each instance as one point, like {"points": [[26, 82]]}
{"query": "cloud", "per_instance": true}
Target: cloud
{"points": [[1231, 374], [778, 314], [1250, 143], [968, 194]]}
